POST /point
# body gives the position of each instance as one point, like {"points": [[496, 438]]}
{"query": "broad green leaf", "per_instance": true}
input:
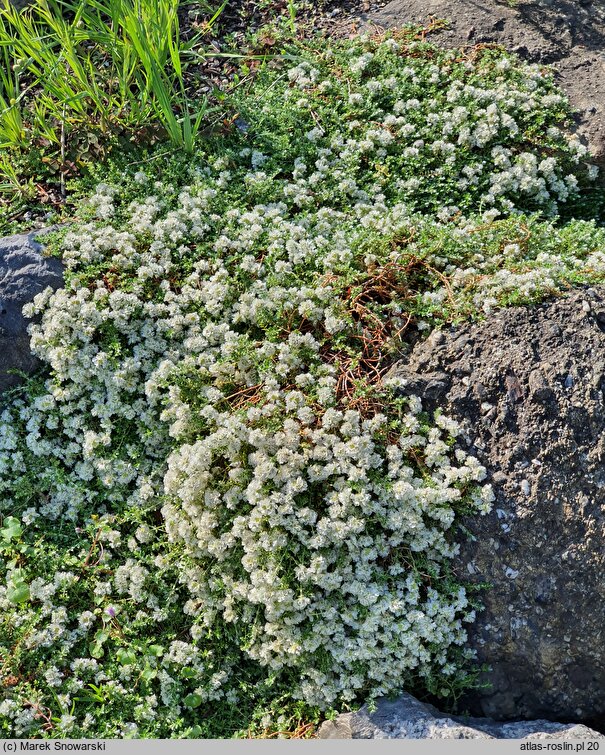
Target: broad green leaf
{"points": [[96, 650], [193, 700], [12, 528], [19, 593], [148, 674], [126, 657]]}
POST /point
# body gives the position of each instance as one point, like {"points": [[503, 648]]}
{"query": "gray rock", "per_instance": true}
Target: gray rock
{"points": [[569, 35], [431, 386], [528, 386], [408, 718], [24, 272]]}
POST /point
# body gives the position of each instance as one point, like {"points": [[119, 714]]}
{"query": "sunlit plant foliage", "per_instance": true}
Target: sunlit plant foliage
{"points": [[221, 509]]}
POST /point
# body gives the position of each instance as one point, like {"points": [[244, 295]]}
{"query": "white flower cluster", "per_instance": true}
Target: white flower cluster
{"points": [[454, 126], [299, 513], [527, 260], [308, 532]]}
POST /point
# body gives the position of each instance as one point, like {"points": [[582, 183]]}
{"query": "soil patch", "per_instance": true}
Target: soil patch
{"points": [[251, 28]]}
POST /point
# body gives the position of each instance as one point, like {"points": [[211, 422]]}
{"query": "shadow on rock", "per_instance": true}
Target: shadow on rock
{"points": [[24, 272]]}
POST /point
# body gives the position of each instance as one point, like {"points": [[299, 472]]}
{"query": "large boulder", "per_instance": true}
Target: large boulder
{"points": [[529, 387], [408, 718], [24, 272], [567, 34]]}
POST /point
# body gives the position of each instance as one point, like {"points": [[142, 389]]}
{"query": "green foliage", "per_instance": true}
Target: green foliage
{"points": [[438, 129]]}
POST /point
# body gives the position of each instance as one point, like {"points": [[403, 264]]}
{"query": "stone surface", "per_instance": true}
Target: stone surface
{"points": [[529, 387], [568, 34], [408, 718], [24, 272]]}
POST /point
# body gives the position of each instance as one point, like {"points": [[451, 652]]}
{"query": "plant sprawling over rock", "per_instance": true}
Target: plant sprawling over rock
{"points": [[231, 495]]}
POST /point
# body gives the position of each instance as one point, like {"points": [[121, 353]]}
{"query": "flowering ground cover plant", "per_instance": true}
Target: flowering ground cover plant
{"points": [[219, 512]]}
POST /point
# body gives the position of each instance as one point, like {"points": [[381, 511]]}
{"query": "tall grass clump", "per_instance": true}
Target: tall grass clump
{"points": [[82, 76]]}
